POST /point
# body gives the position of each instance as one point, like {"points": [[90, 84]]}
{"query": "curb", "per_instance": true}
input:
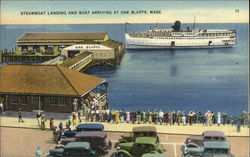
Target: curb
{"points": [[47, 129]]}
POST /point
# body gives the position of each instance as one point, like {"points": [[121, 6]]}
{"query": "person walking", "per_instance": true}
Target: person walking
{"points": [[139, 117], [60, 126], [167, 117], [38, 117], [51, 123], [244, 118], [155, 117], [1, 107], [43, 120], [20, 116], [224, 118], [211, 119], [74, 120], [38, 152]]}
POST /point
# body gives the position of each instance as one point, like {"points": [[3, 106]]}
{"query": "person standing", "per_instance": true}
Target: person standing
{"points": [[218, 118], [161, 115], [128, 117], [20, 115], [211, 118], [232, 120], [149, 117], [60, 126], [144, 116], [38, 152], [139, 117], [1, 107], [179, 117], [224, 116], [79, 116], [166, 117], [183, 118], [74, 118], [117, 117], [239, 121]]}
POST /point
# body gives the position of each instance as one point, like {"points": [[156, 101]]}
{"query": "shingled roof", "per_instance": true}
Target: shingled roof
{"points": [[63, 36], [45, 79]]}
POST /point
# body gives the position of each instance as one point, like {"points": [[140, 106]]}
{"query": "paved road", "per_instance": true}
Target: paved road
{"points": [[20, 142]]}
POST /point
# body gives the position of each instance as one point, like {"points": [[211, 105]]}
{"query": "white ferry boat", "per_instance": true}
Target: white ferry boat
{"points": [[172, 38]]}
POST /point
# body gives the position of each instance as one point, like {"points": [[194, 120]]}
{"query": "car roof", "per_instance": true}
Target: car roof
{"points": [[90, 126], [144, 128], [214, 133], [85, 145], [92, 134], [216, 144], [195, 139], [146, 140]]}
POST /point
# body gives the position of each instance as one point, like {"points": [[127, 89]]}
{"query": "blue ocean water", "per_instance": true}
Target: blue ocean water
{"points": [[193, 79]]}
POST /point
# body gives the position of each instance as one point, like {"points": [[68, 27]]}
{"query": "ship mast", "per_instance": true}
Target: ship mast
{"points": [[194, 23]]}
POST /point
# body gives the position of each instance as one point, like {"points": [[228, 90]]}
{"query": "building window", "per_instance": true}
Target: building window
{"points": [[52, 100], [62, 101], [14, 99], [24, 100], [35, 100]]}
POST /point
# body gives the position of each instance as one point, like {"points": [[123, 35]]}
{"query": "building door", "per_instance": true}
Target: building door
{"points": [[38, 102], [172, 43]]}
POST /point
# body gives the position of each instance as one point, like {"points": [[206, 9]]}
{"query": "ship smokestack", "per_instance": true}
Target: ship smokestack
{"points": [[177, 26]]}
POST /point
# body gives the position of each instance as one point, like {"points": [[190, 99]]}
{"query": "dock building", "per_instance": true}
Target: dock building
{"points": [[49, 43], [52, 88]]}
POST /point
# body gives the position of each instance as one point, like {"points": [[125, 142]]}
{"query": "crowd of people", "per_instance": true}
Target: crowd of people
{"points": [[165, 117]]}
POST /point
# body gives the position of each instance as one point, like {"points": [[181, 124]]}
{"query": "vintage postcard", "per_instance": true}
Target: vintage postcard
{"points": [[124, 78]]}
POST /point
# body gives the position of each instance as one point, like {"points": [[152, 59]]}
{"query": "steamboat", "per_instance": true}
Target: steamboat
{"points": [[176, 38]]}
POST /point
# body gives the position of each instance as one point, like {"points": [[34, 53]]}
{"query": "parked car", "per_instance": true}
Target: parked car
{"points": [[208, 149], [90, 127], [142, 145], [73, 149], [213, 142], [69, 135], [141, 131], [97, 139]]}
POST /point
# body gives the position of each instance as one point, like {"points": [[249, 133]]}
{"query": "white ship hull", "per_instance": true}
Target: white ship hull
{"points": [[177, 43]]}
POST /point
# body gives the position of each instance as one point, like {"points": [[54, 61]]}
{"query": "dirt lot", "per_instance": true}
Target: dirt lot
{"points": [[19, 142]]}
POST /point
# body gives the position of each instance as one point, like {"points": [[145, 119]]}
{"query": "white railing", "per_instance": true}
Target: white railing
{"points": [[52, 61]]}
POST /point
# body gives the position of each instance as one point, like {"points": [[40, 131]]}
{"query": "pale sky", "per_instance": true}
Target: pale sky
{"points": [[212, 11]]}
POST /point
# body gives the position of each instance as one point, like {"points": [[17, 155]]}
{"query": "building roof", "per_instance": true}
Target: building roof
{"points": [[111, 43], [46, 79], [63, 36], [214, 133], [72, 61]]}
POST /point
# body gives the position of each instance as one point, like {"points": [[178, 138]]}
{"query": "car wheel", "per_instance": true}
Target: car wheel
{"points": [[122, 155]]}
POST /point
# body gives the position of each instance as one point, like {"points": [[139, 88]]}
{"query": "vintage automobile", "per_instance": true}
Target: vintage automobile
{"points": [[195, 146], [141, 131], [69, 135], [73, 149], [97, 139], [142, 145], [90, 127], [208, 149]]}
